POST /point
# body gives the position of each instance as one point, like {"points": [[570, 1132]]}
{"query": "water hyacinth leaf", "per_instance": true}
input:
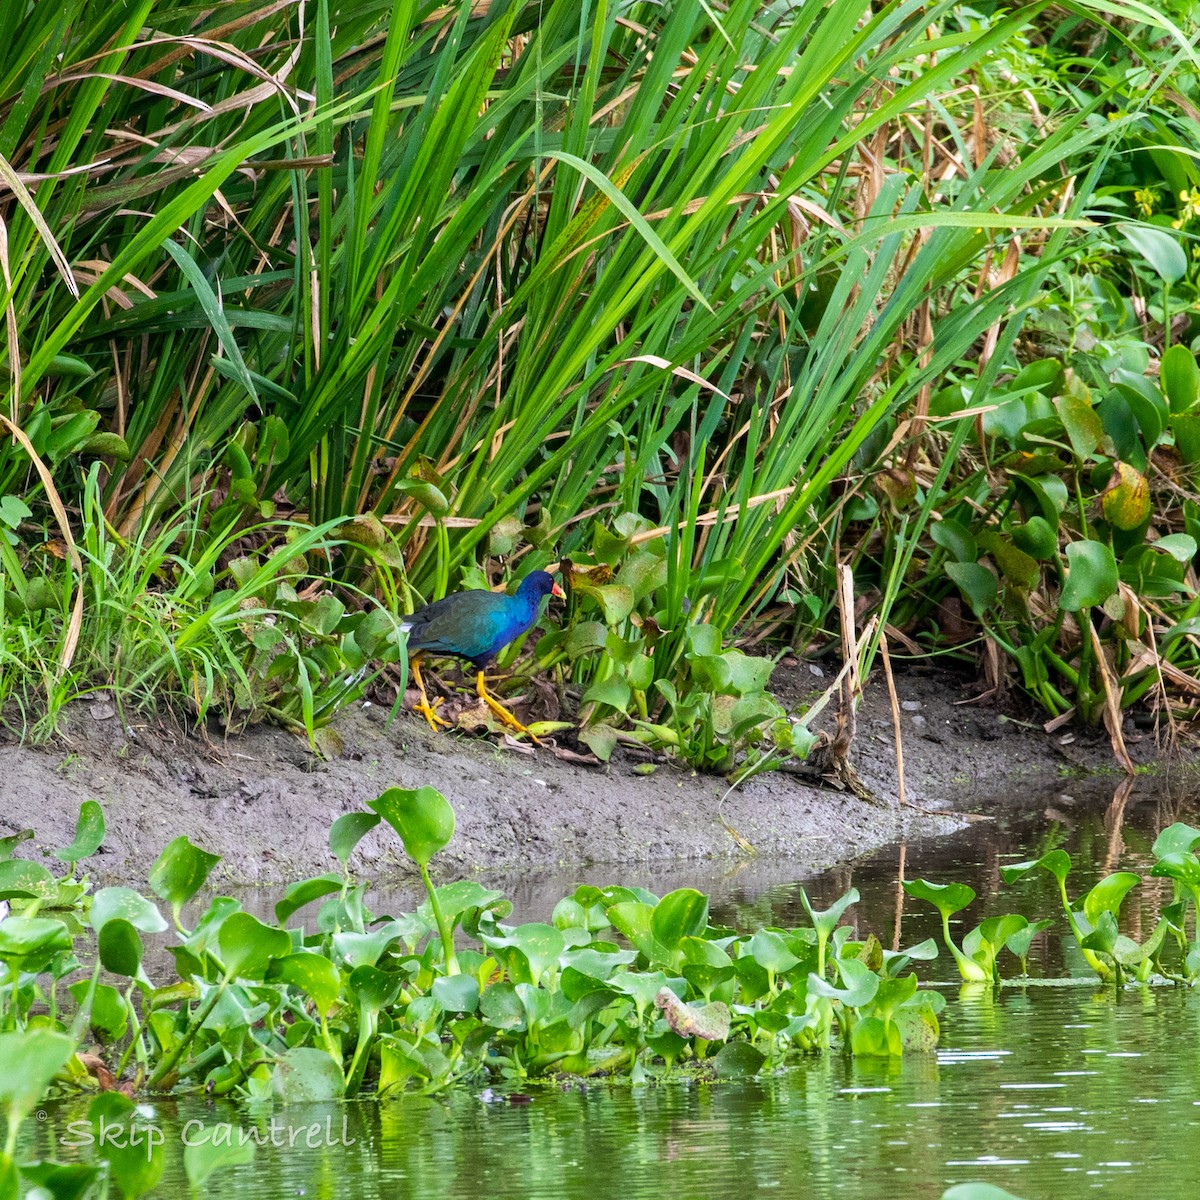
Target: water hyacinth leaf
{"points": [[1108, 894], [305, 891], [462, 897], [1037, 537], [120, 947], [373, 989], [616, 600], [179, 873], [977, 584], [456, 993], [1180, 864], [1019, 941], [31, 1059], [947, 898], [1175, 839], [1159, 248], [998, 930], [127, 904], [20, 878], [771, 952], [204, 1156], [1057, 862], [860, 984], [109, 1015], [10, 843], [612, 690], [977, 1191], [1091, 575], [30, 943], [738, 1060], [643, 986], [501, 1008], [1103, 935], [313, 974], [826, 920], [421, 816], [541, 945], [133, 1145], [631, 919], [89, 833], [956, 539], [347, 831], [247, 945], [306, 1075], [678, 915], [59, 1180]]}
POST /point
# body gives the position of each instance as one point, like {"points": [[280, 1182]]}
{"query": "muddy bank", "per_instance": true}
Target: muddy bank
{"points": [[264, 803]]}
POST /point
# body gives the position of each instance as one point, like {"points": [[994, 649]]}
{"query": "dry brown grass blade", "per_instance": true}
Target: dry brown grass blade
{"points": [[894, 701], [60, 515], [27, 202], [1112, 703]]}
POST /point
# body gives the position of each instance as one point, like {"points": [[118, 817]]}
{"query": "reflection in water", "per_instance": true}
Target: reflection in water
{"points": [[1062, 1091], [1048, 1092]]}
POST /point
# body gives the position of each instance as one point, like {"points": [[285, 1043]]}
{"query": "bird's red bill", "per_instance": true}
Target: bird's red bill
{"points": [[557, 591]]}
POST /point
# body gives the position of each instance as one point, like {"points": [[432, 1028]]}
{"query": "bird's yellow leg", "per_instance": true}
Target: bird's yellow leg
{"points": [[424, 707], [500, 710]]}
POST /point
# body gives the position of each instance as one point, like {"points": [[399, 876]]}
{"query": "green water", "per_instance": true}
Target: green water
{"points": [[1048, 1091]]}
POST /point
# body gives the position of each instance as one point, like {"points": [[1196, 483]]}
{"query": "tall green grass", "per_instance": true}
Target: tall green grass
{"points": [[500, 272]]}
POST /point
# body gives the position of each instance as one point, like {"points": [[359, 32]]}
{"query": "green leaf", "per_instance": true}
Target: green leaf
{"points": [[125, 903], [1108, 894], [29, 943], [1180, 378], [1084, 428], [120, 947], [977, 584], [770, 951], [947, 898], [347, 831], [313, 974], [422, 817], [306, 1075], [1159, 248], [180, 873], [31, 1059], [89, 833], [1057, 862], [738, 1060], [977, 1191], [456, 993], [860, 984], [629, 211], [1091, 576], [956, 539], [678, 915], [24, 879], [1175, 839], [247, 945], [205, 1154], [305, 891], [825, 920], [132, 1144]]}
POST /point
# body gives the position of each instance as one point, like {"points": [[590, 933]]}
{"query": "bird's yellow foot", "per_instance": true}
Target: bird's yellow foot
{"points": [[427, 711], [500, 711]]}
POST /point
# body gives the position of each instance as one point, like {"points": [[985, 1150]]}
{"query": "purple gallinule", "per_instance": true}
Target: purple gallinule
{"points": [[475, 625]]}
